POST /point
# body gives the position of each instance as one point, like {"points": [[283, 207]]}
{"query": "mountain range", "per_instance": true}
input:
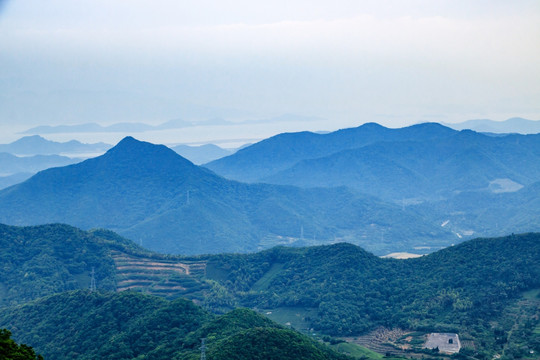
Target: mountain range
{"points": [[426, 161], [50, 151], [11, 164], [139, 127], [413, 189], [425, 169], [37, 145], [156, 197], [15, 169], [468, 182], [512, 125], [90, 293], [282, 151], [122, 127]]}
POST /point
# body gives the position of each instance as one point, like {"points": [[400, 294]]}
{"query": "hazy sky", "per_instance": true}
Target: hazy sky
{"points": [[349, 62]]}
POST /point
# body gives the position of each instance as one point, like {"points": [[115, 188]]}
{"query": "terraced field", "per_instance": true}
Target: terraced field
{"points": [[167, 278], [384, 341]]}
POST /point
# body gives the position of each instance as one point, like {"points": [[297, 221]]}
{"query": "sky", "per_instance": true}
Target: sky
{"points": [[328, 65]]}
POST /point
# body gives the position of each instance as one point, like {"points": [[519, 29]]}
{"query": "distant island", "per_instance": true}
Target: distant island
{"points": [[512, 125]]}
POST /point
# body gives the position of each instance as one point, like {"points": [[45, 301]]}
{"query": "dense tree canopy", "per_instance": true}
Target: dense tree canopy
{"points": [[10, 350], [341, 289], [355, 291], [129, 325]]}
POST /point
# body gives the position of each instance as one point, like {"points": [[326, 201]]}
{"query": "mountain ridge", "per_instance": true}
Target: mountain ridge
{"points": [[37, 145], [153, 195], [281, 151], [11, 164], [421, 167]]}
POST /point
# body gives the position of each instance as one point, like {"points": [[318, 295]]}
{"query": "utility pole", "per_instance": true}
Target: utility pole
{"points": [[93, 280], [203, 349]]}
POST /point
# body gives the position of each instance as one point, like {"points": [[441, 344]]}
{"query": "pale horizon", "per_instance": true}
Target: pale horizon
{"points": [[334, 66]]}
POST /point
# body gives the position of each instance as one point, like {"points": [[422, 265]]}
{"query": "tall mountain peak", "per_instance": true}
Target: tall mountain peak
{"points": [[129, 143], [130, 148]]}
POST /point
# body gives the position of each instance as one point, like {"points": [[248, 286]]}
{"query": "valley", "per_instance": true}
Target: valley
{"points": [[269, 180], [358, 269], [371, 186]]}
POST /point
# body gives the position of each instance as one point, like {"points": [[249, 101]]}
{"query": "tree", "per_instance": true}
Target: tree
{"points": [[10, 350]]}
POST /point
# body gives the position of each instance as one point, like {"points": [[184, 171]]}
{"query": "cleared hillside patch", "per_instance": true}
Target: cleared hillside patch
{"points": [[295, 317], [164, 277], [264, 282]]}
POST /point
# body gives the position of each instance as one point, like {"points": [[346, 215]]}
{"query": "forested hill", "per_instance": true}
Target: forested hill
{"points": [[354, 291], [92, 325], [43, 260], [351, 290], [9, 349], [341, 289]]}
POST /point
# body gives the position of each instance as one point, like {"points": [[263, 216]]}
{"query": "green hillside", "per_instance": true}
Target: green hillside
{"points": [[43, 260], [459, 289], [129, 325], [267, 344], [475, 288], [9, 349]]}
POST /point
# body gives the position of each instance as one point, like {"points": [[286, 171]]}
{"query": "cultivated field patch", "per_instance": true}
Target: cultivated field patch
{"points": [[163, 277]]}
